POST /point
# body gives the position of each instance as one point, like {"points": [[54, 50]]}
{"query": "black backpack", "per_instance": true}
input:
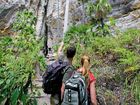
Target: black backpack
{"points": [[75, 90], [52, 78]]}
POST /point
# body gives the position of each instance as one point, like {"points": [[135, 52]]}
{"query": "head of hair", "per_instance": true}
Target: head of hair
{"points": [[85, 61], [70, 52]]}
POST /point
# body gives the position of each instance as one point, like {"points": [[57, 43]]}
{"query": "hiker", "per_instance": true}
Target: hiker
{"points": [[79, 89], [90, 79], [55, 99], [52, 78], [70, 53]]}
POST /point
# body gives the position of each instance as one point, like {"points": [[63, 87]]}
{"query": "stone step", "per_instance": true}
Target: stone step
{"points": [[37, 83], [41, 97], [44, 100]]}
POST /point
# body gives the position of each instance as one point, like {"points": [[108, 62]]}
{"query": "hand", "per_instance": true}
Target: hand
{"points": [[62, 43], [61, 47]]}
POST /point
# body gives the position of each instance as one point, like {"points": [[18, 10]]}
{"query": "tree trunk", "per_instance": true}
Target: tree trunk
{"points": [[102, 22]]}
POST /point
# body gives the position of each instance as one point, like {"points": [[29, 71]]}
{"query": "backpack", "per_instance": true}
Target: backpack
{"points": [[75, 92], [52, 78]]}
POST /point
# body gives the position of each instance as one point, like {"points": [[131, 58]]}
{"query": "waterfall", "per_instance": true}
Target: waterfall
{"points": [[66, 19]]}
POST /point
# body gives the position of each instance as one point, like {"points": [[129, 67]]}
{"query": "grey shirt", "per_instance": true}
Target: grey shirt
{"points": [[68, 73], [68, 70]]}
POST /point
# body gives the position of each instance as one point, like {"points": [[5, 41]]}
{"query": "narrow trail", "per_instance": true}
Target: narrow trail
{"points": [[42, 98]]}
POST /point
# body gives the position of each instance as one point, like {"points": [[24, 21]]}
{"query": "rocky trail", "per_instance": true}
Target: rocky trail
{"points": [[41, 97]]}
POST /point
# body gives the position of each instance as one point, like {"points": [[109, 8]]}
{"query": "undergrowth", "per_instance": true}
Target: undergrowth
{"points": [[121, 51], [19, 56]]}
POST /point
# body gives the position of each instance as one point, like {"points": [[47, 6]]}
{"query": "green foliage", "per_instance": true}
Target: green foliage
{"points": [[80, 37], [131, 91], [19, 55], [128, 58], [99, 9], [121, 48], [112, 21], [135, 88], [120, 51], [102, 31], [77, 33], [85, 40]]}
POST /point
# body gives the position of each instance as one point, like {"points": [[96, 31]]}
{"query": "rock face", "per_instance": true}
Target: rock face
{"points": [[126, 13], [130, 20], [55, 17], [7, 12], [9, 8]]}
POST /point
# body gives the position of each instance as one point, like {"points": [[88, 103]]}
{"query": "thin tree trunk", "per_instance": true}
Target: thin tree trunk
{"points": [[102, 22]]}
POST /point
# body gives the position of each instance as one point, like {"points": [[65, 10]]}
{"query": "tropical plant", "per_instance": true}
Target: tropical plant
{"points": [[99, 10], [120, 52], [18, 55], [122, 48]]}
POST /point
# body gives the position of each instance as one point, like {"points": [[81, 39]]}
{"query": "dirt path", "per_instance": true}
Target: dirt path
{"points": [[42, 98]]}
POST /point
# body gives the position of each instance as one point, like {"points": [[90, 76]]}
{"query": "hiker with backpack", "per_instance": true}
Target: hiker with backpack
{"points": [[80, 88], [70, 53], [56, 72]]}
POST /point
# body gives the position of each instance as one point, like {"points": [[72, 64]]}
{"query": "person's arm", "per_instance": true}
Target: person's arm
{"points": [[60, 48], [62, 90], [66, 76], [93, 93]]}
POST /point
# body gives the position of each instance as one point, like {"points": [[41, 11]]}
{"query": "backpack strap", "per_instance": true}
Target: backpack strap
{"points": [[67, 67], [82, 80]]}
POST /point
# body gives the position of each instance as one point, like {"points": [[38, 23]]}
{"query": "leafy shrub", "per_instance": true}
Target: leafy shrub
{"points": [[19, 55], [120, 51]]}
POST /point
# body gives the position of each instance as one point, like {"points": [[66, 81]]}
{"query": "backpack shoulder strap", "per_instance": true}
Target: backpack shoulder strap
{"points": [[68, 67]]}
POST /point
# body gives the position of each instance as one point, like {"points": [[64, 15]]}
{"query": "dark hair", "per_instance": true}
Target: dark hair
{"points": [[70, 52]]}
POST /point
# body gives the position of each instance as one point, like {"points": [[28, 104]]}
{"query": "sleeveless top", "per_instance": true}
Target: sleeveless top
{"points": [[91, 79]]}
